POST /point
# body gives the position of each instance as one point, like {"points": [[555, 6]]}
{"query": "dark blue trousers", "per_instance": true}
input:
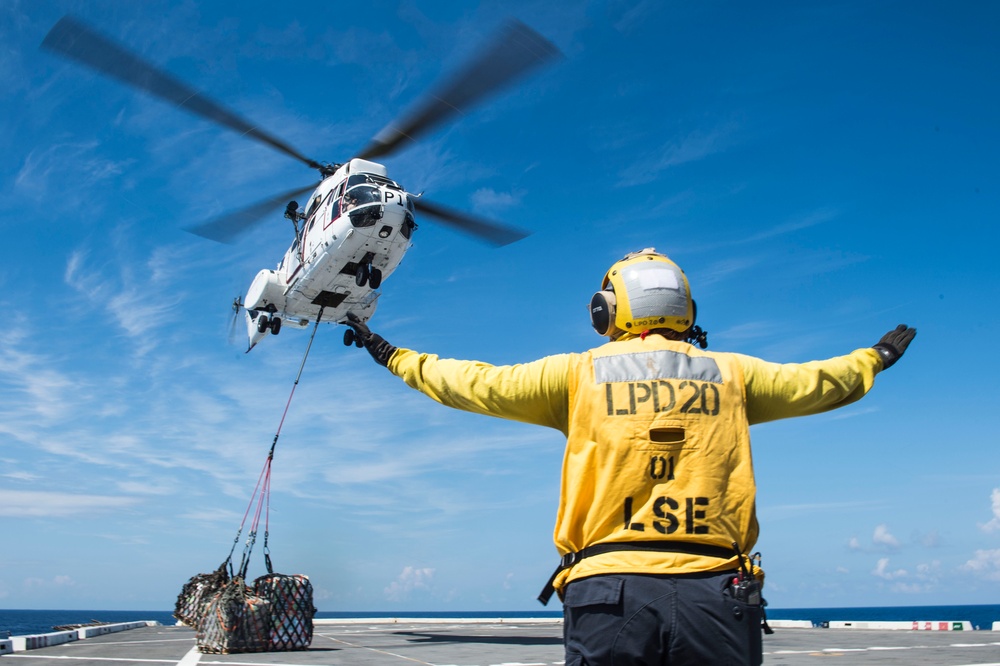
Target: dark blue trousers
{"points": [[633, 619]]}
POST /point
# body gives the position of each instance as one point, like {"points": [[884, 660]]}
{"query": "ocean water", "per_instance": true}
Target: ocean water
{"points": [[25, 622]]}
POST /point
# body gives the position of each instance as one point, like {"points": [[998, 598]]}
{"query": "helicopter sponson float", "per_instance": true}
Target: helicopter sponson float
{"points": [[357, 224]]}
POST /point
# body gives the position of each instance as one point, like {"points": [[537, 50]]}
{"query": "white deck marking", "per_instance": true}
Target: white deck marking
{"points": [[364, 647], [18, 655], [191, 658]]}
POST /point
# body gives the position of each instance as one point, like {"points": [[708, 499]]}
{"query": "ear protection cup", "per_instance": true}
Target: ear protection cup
{"points": [[602, 312]]}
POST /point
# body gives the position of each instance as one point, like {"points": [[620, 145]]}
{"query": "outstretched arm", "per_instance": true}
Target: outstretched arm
{"points": [[783, 390], [535, 392]]}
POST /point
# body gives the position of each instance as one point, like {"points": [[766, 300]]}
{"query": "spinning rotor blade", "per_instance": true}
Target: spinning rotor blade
{"points": [[516, 50], [226, 228], [71, 38], [237, 308], [492, 232]]}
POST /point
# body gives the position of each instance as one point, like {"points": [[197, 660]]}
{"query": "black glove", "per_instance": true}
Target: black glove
{"points": [[380, 350], [893, 344]]}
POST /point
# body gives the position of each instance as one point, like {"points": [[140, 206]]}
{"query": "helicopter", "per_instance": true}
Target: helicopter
{"points": [[357, 223]]}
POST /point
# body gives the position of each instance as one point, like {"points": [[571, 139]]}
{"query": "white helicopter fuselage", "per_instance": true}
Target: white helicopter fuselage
{"points": [[356, 228]]}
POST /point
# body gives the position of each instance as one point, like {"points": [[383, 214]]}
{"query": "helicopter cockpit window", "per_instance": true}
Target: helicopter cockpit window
{"points": [[335, 205], [361, 195], [358, 179], [313, 205], [408, 226], [358, 202]]}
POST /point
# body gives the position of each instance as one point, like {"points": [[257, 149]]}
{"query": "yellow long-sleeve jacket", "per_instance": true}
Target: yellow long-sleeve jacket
{"points": [[657, 439]]}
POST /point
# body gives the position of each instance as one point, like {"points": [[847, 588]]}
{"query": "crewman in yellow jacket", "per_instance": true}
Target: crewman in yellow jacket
{"points": [[656, 515]]}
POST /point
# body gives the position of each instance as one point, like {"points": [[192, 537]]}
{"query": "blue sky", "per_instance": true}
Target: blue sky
{"points": [[822, 171]]}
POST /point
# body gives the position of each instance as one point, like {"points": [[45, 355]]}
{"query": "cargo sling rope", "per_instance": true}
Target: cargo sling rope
{"points": [[276, 612]]}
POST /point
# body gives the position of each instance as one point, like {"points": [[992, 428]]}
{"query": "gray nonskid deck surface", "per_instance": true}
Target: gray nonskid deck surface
{"points": [[507, 643]]}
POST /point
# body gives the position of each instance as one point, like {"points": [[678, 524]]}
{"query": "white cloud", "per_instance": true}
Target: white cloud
{"points": [[21, 476], [901, 581], [797, 224], [928, 571], [36, 584], [409, 580], [930, 540], [636, 15], [219, 516], [31, 503], [842, 414], [909, 588], [485, 200], [724, 270], [884, 539], [994, 523], [692, 147], [984, 564], [695, 146], [126, 298], [882, 570], [45, 171], [146, 487], [39, 390]]}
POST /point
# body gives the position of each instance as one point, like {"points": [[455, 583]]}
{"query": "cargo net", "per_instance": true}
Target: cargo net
{"points": [[275, 614], [236, 620], [229, 617], [197, 593], [292, 610]]}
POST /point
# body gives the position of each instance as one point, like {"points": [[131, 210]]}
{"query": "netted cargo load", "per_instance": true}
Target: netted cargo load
{"points": [[275, 613], [197, 593], [237, 620], [292, 610]]}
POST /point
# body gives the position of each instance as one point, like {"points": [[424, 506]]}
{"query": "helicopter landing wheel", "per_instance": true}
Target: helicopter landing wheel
{"points": [[262, 323], [275, 325], [358, 343], [348, 337], [361, 275], [375, 277]]}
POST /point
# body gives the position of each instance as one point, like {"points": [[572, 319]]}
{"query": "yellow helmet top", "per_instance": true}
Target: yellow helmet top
{"points": [[643, 291]]}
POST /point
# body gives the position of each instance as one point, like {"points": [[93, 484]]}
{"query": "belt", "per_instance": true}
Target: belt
{"points": [[569, 559]]}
